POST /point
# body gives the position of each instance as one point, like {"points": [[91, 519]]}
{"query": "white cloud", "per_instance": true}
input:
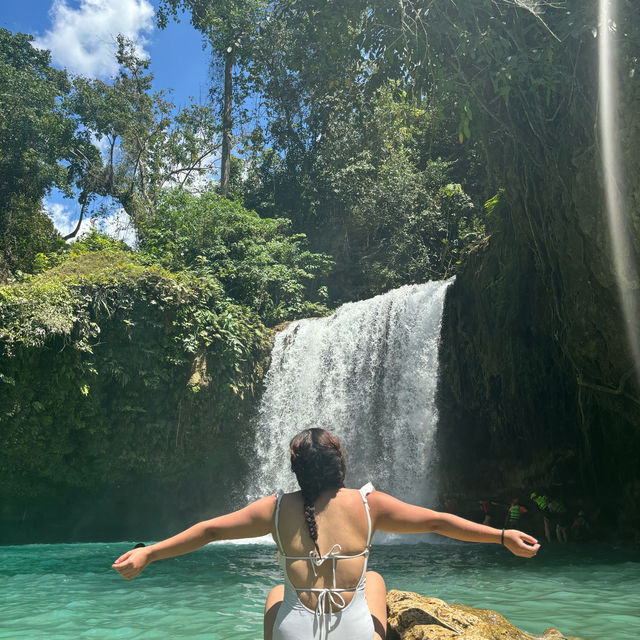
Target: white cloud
{"points": [[103, 145], [66, 219], [83, 39], [117, 225]]}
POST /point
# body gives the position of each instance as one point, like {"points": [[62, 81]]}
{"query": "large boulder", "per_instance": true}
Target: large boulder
{"points": [[414, 617]]}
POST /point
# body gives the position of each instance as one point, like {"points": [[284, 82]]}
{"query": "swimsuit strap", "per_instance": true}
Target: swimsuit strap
{"points": [[333, 598], [364, 552], [364, 491], [277, 516], [320, 589]]}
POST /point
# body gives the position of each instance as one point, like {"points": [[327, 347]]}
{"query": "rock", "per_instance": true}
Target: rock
{"points": [[415, 617]]}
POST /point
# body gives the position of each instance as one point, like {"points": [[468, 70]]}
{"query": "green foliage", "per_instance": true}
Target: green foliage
{"points": [[95, 240], [35, 132], [92, 241], [257, 260], [405, 221], [228, 27], [151, 145], [369, 194], [354, 155], [520, 73], [37, 143], [103, 363], [25, 232]]}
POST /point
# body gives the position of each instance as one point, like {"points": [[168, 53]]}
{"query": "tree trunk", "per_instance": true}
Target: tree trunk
{"points": [[74, 233], [225, 165]]}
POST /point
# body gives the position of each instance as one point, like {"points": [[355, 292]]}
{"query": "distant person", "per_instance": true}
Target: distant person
{"points": [[580, 528], [543, 504], [561, 515], [486, 507], [515, 511], [323, 533]]}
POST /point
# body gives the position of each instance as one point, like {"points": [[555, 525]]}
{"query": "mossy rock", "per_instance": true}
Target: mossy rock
{"points": [[415, 617]]}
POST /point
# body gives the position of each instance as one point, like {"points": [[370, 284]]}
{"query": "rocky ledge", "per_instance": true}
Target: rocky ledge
{"points": [[414, 617]]}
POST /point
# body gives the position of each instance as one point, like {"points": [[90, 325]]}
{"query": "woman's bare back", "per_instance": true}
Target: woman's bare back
{"points": [[341, 520]]}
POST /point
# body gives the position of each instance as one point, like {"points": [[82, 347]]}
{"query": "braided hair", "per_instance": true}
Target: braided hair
{"points": [[318, 462]]}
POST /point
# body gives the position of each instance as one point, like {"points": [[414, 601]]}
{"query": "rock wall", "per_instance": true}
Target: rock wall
{"points": [[538, 386]]}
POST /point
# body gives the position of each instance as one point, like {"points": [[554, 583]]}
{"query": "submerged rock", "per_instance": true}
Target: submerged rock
{"points": [[414, 617]]}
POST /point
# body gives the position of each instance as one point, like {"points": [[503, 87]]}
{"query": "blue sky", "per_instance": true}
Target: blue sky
{"points": [[81, 36]]}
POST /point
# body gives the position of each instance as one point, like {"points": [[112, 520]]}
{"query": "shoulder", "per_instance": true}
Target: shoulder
{"points": [[294, 496], [284, 502], [379, 502], [263, 508], [289, 495], [379, 499], [385, 505]]}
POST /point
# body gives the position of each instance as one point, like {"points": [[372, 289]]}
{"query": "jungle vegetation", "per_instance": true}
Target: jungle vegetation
{"points": [[391, 143]]}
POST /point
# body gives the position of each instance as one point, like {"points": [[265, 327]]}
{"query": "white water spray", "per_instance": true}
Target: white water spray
{"points": [[367, 373], [620, 229]]}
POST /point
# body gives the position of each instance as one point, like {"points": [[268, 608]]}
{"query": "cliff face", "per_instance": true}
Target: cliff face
{"points": [[538, 385]]}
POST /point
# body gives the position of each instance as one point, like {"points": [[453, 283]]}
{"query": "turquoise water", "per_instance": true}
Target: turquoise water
{"points": [[64, 592]]}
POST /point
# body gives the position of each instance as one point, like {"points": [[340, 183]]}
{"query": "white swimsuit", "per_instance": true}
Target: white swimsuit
{"points": [[295, 621]]}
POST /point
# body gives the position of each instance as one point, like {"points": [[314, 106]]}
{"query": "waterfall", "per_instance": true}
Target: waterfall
{"points": [[367, 373]]}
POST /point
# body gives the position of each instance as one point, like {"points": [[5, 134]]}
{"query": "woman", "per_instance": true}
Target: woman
{"points": [[323, 533]]}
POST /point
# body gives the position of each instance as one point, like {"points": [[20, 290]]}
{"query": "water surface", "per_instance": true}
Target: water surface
{"points": [[69, 591]]}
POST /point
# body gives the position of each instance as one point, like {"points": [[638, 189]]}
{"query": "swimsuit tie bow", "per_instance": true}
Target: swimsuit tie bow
{"points": [[316, 560], [335, 600]]}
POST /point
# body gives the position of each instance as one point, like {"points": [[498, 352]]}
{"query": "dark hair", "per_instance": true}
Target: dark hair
{"points": [[318, 462]]}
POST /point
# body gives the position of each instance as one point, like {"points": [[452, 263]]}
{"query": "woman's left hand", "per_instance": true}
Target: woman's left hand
{"points": [[520, 544], [133, 562]]}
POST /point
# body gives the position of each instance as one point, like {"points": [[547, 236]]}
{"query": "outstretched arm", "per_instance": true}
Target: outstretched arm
{"points": [[254, 520], [391, 514]]}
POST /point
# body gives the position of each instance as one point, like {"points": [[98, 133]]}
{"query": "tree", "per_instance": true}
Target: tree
{"points": [[39, 145], [228, 28], [257, 260], [149, 146], [371, 194]]}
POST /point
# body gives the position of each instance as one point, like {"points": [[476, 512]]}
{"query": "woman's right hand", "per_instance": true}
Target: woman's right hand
{"points": [[520, 544], [133, 562]]}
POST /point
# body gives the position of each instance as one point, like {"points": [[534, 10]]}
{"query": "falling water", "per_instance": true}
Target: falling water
{"points": [[619, 225], [367, 373]]}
